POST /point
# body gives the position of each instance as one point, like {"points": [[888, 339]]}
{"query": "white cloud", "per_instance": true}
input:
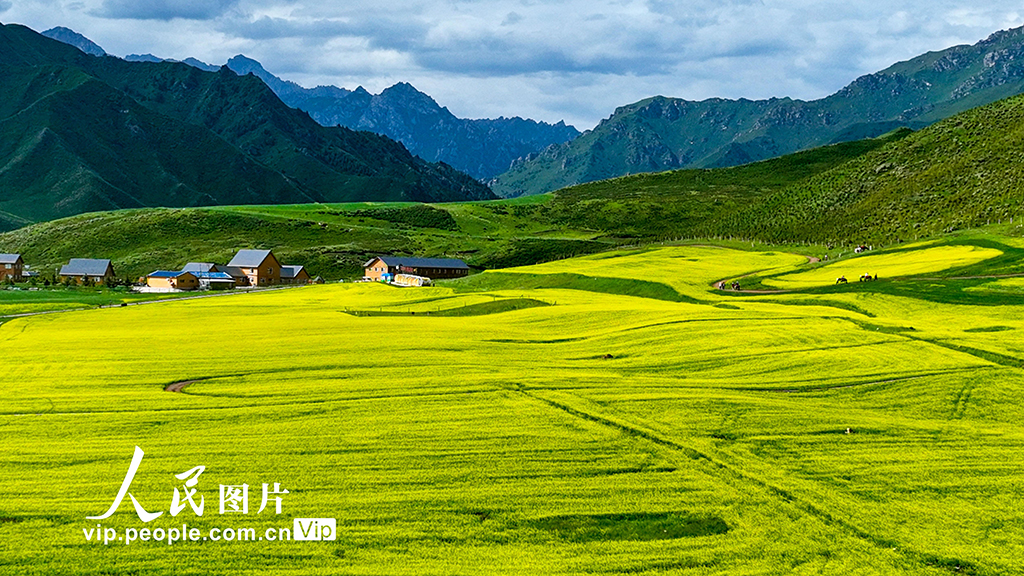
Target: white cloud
{"points": [[572, 59]]}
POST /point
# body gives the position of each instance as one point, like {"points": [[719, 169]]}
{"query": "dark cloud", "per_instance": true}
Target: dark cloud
{"points": [[165, 9], [573, 58]]}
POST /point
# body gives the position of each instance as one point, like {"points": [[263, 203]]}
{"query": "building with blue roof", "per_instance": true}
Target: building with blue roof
{"points": [[172, 280]]}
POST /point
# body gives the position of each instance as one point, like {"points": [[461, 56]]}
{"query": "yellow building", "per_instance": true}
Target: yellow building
{"points": [[172, 280]]}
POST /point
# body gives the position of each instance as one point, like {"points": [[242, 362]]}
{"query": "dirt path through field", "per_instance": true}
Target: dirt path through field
{"points": [[179, 386]]}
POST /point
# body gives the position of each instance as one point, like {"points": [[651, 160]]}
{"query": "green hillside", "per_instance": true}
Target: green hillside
{"points": [[333, 240], [964, 172], [686, 203], [81, 133], [659, 133], [961, 173]]}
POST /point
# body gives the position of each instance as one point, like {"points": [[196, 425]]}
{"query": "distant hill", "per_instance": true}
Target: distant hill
{"points": [[334, 240], [661, 133], [961, 173], [964, 172], [190, 61], [68, 36], [81, 133], [481, 148]]}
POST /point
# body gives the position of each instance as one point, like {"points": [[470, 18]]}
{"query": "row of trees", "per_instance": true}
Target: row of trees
{"points": [[68, 282]]}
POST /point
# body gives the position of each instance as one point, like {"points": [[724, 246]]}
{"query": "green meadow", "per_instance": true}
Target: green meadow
{"points": [[606, 414]]}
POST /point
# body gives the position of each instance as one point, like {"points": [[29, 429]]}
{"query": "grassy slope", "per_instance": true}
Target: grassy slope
{"points": [[599, 433], [334, 240], [959, 173], [330, 240], [678, 203], [964, 172]]}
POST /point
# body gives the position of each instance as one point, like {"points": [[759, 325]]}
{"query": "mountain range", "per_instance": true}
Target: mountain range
{"points": [[961, 173], [481, 148], [660, 133], [83, 133]]}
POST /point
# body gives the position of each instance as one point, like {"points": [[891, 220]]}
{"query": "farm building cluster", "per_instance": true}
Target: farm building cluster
{"points": [[413, 271], [249, 268]]}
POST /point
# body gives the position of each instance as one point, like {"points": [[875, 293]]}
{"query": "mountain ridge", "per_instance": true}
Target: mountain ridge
{"points": [[660, 133], [69, 36], [82, 133], [480, 147]]}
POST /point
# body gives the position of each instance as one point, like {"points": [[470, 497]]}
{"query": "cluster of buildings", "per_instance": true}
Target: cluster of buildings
{"points": [[254, 268], [13, 268], [247, 268]]}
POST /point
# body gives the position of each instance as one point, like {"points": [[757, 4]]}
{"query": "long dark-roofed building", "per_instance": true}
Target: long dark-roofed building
{"points": [[385, 267], [214, 280]]}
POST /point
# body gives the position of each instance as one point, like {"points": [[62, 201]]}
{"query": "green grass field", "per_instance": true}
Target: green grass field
{"points": [[22, 300], [612, 413]]}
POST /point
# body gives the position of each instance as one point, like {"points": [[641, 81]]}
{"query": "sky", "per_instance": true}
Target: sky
{"points": [[572, 60]]}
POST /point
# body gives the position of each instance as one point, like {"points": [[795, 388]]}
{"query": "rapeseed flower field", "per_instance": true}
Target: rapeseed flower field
{"points": [[489, 427]]}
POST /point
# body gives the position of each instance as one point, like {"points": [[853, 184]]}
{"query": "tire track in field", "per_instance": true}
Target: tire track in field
{"points": [[963, 399], [954, 565]]}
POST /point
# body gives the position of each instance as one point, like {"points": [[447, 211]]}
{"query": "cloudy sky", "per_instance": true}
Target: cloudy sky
{"points": [[557, 59]]}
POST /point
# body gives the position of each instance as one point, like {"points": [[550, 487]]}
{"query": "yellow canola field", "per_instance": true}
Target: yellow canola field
{"points": [[887, 265], [745, 434]]}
